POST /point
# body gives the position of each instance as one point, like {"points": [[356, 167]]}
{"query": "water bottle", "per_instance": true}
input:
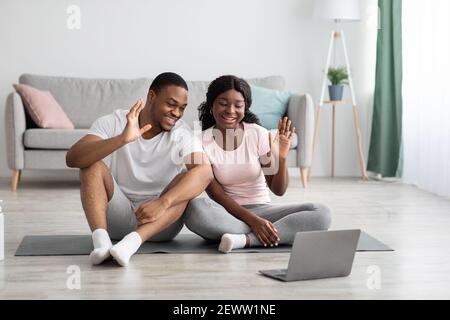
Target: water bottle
{"points": [[2, 233]]}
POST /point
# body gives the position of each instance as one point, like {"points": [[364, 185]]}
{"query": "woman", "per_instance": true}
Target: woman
{"points": [[247, 161]]}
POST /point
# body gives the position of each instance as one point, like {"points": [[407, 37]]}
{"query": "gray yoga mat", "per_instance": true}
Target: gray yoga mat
{"points": [[62, 245]]}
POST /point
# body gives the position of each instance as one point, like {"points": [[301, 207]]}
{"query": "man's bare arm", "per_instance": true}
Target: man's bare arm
{"points": [[91, 148], [189, 186], [193, 183]]}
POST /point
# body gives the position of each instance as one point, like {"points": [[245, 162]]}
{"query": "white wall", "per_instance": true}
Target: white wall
{"points": [[200, 39]]}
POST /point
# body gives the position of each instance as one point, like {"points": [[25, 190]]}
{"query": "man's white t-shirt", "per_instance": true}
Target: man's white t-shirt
{"points": [[143, 168]]}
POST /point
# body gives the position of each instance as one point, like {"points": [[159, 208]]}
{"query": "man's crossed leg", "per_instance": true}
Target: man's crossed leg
{"points": [[110, 213]]}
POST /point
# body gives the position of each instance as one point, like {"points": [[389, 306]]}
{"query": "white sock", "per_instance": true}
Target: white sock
{"points": [[128, 246], [102, 244], [229, 242]]}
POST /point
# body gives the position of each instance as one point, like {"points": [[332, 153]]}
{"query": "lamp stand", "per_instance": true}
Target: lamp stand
{"points": [[335, 36]]}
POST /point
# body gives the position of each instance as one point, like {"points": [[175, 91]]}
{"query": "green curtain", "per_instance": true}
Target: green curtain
{"points": [[385, 142]]}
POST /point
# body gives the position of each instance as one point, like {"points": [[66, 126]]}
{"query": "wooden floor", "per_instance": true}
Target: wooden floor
{"points": [[414, 222]]}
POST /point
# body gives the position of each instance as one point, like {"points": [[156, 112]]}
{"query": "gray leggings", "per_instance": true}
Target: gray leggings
{"points": [[210, 220]]}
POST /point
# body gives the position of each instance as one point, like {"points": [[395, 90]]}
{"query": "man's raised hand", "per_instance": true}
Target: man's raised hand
{"points": [[132, 130]]}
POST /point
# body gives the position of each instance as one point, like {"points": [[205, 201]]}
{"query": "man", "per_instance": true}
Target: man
{"points": [[131, 162]]}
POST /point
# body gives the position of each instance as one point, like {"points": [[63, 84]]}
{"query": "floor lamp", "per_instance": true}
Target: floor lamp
{"points": [[337, 11]]}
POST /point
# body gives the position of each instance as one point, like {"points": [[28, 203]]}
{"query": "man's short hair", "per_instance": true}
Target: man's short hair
{"points": [[167, 79]]}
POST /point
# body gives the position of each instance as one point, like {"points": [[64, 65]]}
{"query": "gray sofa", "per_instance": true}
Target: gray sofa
{"points": [[85, 100]]}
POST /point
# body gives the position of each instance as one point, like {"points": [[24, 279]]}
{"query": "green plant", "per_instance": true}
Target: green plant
{"points": [[337, 76]]}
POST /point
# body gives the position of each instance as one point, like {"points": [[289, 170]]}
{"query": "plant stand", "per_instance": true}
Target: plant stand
{"points": [[335, 35], [334, 104]]}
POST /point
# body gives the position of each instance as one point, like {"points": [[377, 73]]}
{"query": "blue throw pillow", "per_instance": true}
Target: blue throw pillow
{"points": [[269, 105]]}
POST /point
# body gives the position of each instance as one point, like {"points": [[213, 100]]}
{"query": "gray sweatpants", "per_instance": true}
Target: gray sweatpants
{"points": [[210, 220], [121, 219]]}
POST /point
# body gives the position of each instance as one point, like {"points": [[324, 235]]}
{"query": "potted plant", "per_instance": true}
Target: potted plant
{"points": [[337, 77]]}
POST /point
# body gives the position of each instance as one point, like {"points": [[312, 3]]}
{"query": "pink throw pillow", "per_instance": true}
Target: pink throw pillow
{"points": [[43, 108]]}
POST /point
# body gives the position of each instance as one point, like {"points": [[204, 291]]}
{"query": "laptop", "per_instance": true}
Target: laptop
{"points": [[319, 255]]}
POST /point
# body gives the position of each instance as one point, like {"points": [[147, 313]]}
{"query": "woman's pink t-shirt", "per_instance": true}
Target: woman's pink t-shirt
{"points": [[239, 171]]}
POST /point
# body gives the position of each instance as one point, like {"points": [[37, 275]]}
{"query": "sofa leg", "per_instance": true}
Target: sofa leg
{"points": [[15, 179], [304, 176]]}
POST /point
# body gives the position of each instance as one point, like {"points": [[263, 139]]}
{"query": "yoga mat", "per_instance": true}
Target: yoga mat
{"points": [[61, 245]]}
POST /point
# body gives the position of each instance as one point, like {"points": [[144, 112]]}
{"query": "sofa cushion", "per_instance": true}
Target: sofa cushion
{"points": [[43, 108], [61, 139], [85, 100], [269, 105], [55, 139]]}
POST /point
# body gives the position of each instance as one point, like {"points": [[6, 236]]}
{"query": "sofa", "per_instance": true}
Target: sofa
{"points": [[85, 100]]}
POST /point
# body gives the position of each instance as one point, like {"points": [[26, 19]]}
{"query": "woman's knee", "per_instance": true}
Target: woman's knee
{"points": [[198, 219], [323, 217], [195, 213]]}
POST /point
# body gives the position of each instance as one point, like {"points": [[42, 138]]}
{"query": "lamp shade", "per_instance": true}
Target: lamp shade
{"points": [[337, 9]]}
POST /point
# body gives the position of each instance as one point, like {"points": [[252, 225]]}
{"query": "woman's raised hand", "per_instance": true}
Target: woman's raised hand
{"points": [[282, 142]]}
